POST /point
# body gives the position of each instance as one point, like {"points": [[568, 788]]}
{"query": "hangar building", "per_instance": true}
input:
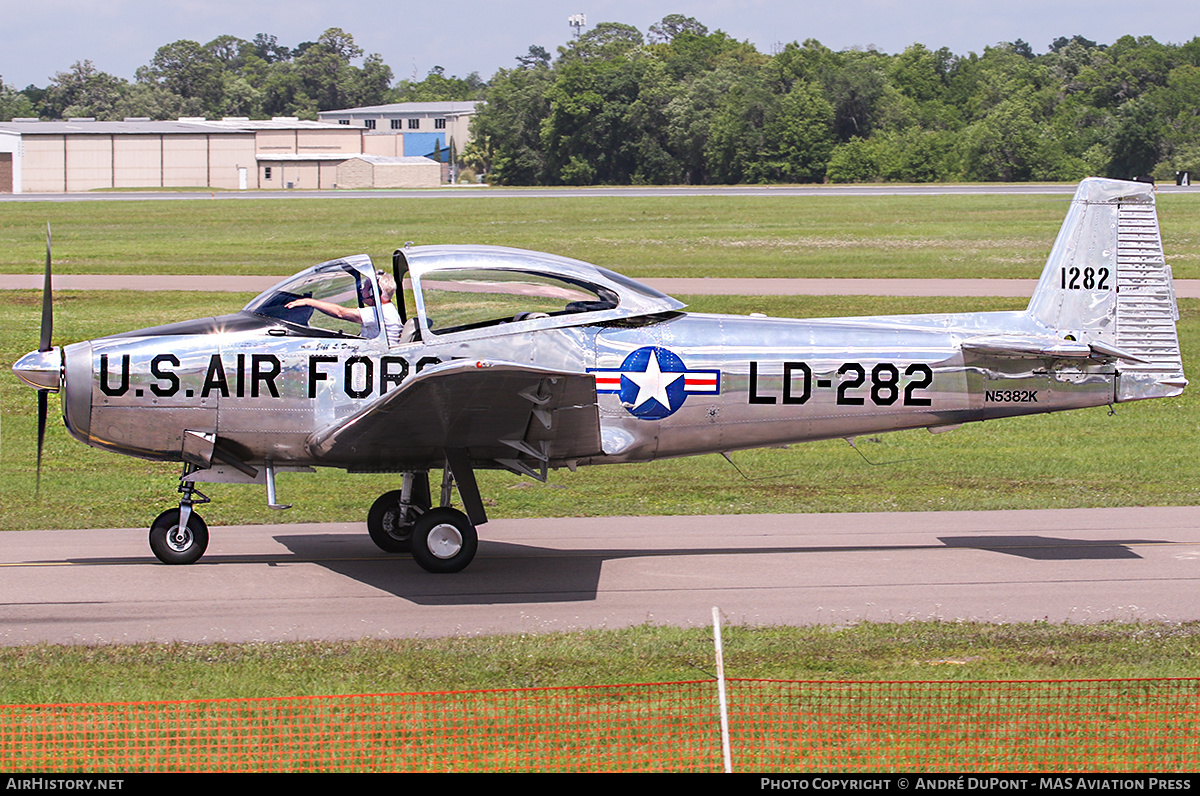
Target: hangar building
{"points": [[234, 153]]}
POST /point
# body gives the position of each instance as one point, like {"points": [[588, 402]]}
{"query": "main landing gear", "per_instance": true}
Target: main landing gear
{"points": [[441, 540], [391, 518]]}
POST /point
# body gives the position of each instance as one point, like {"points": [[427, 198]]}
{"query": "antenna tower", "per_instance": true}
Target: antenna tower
{"points": [[577, 21]]}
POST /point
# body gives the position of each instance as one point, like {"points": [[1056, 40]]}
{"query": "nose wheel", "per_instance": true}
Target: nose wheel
{"points": [[180, 536], [176, 543]]}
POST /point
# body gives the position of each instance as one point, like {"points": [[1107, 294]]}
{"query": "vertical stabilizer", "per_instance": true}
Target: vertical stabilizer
{"points": [[1107, 284]]}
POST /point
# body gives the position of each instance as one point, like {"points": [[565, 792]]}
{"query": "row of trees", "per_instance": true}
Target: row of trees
{"points": [[685, 105], [690, 106], [227, 76]]}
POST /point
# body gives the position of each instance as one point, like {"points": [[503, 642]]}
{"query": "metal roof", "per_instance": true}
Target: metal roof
{"points": [[144, 127], [443, 108]]}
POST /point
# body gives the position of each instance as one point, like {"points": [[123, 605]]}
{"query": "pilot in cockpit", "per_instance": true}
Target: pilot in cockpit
{"points": [[365, 313]]}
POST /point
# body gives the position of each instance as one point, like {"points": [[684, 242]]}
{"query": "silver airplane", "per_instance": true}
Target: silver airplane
{"points": [[507, 359]]}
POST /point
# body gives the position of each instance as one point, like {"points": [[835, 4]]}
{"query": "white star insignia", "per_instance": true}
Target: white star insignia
{"points": [[652, 383]]}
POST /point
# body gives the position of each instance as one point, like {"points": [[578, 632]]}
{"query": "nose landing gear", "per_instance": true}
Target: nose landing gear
{"points": [[175, 542], [180, 536]]}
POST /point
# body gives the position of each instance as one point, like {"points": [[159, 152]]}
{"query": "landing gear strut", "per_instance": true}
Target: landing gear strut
{"points": [[391, 518], [180, 536], [440, 539]]}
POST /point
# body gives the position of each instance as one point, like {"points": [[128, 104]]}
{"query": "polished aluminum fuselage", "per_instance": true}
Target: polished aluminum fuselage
{"points": [[264, 392]]}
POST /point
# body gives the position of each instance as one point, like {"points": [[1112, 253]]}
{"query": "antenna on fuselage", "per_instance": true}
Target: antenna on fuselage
{"points": [[850, 442]]}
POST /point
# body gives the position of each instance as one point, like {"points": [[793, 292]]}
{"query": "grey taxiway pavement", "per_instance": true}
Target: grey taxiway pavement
{"points": [[328, 581], [485, 192]]}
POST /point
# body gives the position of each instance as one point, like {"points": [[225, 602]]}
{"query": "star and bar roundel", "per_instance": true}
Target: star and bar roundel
{"points": [[653, 382]]}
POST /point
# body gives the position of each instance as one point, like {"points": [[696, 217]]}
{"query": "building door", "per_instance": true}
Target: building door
{"points": [[6, 172]]}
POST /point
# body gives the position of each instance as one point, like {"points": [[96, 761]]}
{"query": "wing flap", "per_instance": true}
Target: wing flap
{"points": [[496, 410]]}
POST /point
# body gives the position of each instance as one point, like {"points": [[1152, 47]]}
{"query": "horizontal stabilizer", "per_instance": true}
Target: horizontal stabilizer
{"points": [[1023, 346]]}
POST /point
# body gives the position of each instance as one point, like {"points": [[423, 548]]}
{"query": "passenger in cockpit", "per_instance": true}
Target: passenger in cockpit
{"points": [[364, 314]]}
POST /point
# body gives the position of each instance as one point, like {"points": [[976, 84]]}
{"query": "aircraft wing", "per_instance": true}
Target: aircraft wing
{"points": [[518, 416]]}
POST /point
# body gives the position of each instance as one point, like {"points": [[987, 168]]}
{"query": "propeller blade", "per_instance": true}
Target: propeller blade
{"points": [[47, 334], [47, 298], [43, 409]]}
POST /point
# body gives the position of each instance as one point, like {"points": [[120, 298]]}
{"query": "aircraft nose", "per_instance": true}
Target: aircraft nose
{"points": [[41, 369]]}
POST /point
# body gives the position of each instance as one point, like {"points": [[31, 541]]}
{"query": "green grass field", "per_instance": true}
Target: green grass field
{"points": [[645, 654], [686, 236], [1083, 458]]}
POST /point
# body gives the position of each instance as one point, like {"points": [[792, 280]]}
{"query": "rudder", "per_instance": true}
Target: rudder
{"points": [[1107, 284]]}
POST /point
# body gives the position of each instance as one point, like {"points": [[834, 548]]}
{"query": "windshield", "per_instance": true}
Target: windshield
{"points": [[329, 298]]}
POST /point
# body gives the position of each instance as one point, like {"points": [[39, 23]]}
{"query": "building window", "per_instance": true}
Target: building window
{"points": [[439, 124], [369, 124], [343, 121], [414, 124], [396, 124], [266, 172]]}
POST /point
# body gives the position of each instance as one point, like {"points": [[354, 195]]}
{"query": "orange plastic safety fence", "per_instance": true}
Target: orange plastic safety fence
{"points": [[640, 727], [1113, 725], [1027, 726]]}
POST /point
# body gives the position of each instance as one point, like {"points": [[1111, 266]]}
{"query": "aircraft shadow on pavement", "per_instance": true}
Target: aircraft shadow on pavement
{"points": [[1049, 548], [507, 573], [502, 572]]}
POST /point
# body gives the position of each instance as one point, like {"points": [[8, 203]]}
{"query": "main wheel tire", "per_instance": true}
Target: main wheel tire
{"points": [[391, 529], [175, 545], [444, 540]]}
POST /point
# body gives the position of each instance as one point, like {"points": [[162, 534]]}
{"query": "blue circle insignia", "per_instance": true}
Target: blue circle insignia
{"points": [[652, 383]]}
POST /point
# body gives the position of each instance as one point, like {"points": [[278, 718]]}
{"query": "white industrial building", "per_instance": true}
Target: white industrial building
{"points": [[233, 153], [428, 128]]}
